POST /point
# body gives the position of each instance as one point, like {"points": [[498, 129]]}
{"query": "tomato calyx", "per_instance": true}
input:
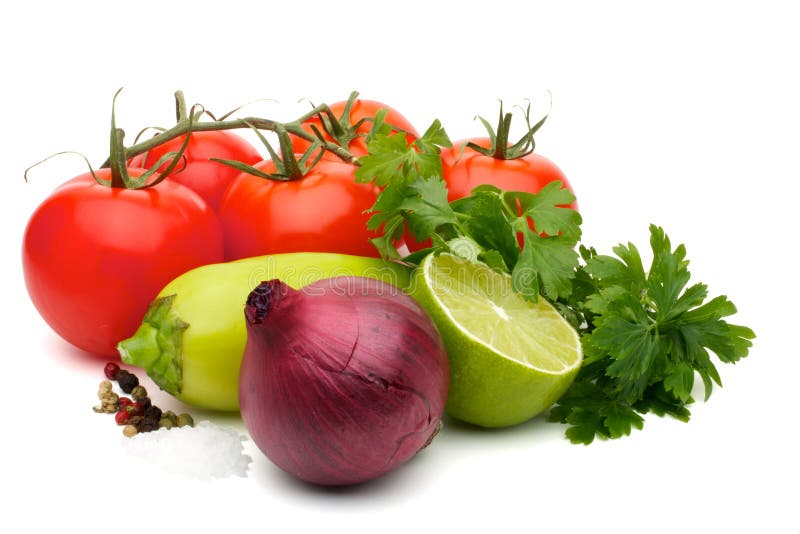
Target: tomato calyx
{"points": [[118, 158], [499, 145], [341, 129], [117, 162], [288, 166]]}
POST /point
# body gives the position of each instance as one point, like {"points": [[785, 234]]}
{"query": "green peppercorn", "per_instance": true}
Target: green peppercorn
{"points": [[109, 403], [165, 422], [169, 414], [138, 393], [185, 419]]}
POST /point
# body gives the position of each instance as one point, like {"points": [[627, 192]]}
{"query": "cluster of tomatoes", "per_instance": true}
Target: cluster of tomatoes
{"points": [[94, 256]]}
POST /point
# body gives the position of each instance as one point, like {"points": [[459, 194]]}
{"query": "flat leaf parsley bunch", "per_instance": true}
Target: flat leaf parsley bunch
{"points": [[646, 334]]}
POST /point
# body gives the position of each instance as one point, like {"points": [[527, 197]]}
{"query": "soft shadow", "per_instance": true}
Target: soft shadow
{"points": [[269, 475], [536, 429], [371, 487], [65, 353]]}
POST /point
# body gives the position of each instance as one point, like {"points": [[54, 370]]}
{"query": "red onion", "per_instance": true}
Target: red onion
{"points": [[341, 381]]}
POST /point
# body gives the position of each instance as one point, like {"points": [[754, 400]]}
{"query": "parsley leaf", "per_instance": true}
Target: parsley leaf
{"points": [[546, 265], [433, 139], [548, 260], [488, 225], [484, 226], [388, 160], [391, 159], [427, 206], [646, 338], [547, 209]]}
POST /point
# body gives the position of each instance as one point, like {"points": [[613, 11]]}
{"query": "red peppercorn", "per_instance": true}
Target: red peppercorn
{"points": [[124, 402], [122, 417], [111, 369]]}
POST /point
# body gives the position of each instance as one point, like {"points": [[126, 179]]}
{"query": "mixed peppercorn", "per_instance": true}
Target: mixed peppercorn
{"points": [[137, 413]]}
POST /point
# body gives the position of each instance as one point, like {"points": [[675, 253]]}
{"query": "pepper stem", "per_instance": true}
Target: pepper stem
{"points": [[157, 345]]}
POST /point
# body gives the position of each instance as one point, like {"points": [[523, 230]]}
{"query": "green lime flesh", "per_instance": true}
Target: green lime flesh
{"points": [[510, 359]]}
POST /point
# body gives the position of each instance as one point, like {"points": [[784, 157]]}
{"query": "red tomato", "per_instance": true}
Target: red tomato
{"points": [[95, 256], [359, 110], [322, 212], [207, 178], [464, 170]]}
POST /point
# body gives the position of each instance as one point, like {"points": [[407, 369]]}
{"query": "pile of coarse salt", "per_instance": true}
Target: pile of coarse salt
{"points": [[203, 451]]}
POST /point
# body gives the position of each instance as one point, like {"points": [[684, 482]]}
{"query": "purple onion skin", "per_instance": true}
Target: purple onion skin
{"points": [[342, 381]]}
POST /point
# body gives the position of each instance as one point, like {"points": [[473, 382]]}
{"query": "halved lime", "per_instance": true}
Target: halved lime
{"points": [[510, 359]]}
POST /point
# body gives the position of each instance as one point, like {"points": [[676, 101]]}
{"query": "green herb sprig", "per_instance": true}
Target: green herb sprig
{"points": [[646, 334]]}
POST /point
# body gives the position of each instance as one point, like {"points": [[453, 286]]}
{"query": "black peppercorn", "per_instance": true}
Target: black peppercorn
{"points": [[136, 420], [145, 403], [152, 412], [127, 381], [147, 425]]}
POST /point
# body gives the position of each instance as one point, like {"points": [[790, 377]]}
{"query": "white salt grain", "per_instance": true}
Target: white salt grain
{"points": [[203, 451]]}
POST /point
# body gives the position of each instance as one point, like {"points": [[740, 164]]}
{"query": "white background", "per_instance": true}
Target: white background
{"points": [[684, 115]]}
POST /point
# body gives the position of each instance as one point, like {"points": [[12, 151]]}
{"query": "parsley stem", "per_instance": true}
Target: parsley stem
{"points": [[510, 215]]}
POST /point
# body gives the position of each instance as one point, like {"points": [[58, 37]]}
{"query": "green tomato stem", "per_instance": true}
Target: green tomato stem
{"points": [[180, 107], [187, 123], [181, 127], [503, 130], [119, 171]]}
